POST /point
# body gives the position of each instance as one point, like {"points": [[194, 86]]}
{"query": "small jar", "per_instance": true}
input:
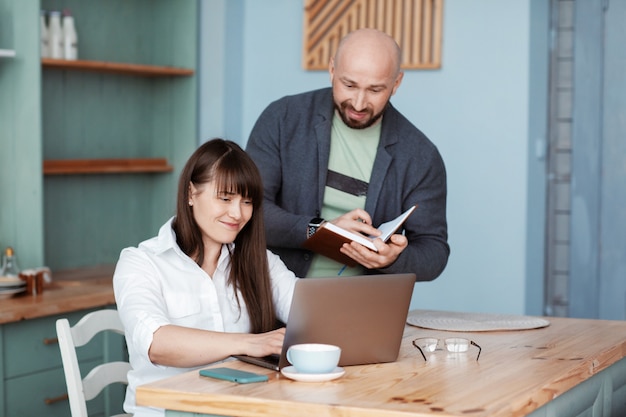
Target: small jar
{"points": [[9, 264]]}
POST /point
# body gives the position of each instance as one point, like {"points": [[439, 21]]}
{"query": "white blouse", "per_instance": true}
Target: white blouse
{"points": [[156, 284]]}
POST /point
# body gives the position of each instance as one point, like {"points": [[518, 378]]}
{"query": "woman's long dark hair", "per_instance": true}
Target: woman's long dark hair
{"points": [[233, 171]]}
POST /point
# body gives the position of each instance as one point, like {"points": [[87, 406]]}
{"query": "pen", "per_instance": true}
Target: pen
{"points": [[343, 268]]}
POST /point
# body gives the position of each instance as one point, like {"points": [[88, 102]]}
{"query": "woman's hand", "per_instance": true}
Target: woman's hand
{"points": [[264, 344]]}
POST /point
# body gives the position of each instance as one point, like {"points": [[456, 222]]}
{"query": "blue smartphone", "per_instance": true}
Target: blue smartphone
{"points": [[234, 375]]}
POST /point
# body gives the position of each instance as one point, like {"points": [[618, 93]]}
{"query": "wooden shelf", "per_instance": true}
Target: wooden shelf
{"points": [[117, 68], [105, 166]]}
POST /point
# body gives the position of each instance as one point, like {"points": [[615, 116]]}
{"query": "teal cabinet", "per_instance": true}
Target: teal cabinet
{"points": [[86, 113], [32, 375]]}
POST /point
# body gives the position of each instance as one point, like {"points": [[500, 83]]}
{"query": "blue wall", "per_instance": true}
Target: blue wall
{"points": [[480, 109]]}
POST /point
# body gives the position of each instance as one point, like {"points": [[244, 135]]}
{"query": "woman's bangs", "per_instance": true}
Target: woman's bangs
{"points": [[237, 179]]}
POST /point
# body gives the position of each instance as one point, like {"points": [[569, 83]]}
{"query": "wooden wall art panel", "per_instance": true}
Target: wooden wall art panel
{"points": [[415, 24]]}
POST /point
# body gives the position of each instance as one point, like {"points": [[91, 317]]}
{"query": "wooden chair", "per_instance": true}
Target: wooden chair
{"points": [[80, 390]]}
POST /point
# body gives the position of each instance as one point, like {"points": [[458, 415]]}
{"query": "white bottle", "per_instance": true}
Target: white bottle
{"points": [[70, 38], [43, 32], [55, 35]]}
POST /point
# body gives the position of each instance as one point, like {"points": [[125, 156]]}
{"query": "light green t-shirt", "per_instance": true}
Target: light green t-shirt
{"points": [[352, 153]]}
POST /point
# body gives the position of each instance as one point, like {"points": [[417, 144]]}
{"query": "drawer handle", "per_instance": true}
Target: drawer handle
{"points": [[50, 341], [60, 398]]}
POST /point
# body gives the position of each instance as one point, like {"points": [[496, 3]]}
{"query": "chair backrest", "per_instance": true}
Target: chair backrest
{"points": [[80, 390]]}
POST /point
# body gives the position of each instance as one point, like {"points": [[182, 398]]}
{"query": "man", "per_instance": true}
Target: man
{"points": [[345, 153]]}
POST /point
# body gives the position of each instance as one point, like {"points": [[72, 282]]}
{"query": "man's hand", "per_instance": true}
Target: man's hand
{"points": [[386, 255], [359, 221]]}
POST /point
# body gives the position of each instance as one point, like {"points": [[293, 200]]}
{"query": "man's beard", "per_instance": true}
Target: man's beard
{"points": [[341, 109]]}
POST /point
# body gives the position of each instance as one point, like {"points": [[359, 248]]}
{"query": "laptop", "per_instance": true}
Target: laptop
{"points": [[364, 315]]}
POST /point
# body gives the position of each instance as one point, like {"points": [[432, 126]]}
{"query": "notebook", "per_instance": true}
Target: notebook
{"points": [[364, 315], [329, 238]]}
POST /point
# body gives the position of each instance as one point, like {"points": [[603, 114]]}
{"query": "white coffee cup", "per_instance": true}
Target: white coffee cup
{"points": [[314, 358]]}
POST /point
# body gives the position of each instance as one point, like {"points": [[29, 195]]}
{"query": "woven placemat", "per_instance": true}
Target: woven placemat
{"points": [[472, 322]]}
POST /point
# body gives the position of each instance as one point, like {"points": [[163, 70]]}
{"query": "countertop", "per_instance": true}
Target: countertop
{"points": [[69, 291]]}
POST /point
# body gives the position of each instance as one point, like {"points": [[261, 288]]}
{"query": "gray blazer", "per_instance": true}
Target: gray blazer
{"points": [[290, 143]]}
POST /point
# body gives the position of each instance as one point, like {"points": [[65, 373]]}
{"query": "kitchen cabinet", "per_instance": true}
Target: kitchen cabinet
{"points": [[90, 150], [32, 372], [32, 382]]}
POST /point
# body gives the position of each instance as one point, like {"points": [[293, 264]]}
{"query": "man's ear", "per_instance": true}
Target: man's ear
{"points": [[397, 82]]}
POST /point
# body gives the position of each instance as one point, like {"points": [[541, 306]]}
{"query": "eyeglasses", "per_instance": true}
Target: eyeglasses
{"points": [[452, 344]]}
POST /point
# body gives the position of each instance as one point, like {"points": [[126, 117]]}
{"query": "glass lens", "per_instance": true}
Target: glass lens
{"points": [[427, 344], [456, 344]]}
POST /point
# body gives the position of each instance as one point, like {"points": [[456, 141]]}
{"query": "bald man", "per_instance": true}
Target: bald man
{"points": [[344, 154]]}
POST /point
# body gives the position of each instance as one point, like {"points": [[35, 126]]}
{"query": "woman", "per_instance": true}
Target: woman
{"points": [[206, 287]]}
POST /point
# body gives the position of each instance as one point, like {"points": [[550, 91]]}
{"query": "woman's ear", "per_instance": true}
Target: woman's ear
{"points": [[191, 191]]}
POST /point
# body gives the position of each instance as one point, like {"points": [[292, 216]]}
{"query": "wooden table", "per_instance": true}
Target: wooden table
{"points": [[549, 371]]}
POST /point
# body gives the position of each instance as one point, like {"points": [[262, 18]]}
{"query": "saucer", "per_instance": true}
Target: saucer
{"points": [[11, 282], [291, 373], [9, 292]]}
